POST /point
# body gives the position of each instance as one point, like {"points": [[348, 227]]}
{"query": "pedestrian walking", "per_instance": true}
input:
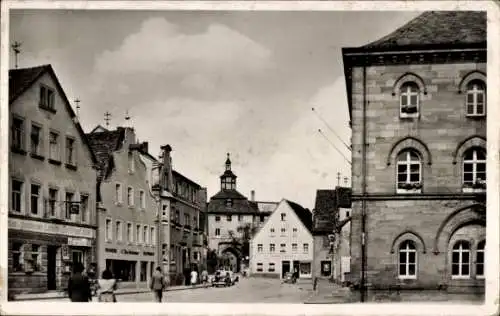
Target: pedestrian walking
{"points": [[204, 277], [106, 287], [158, 284], [79, 285], [194, 277]]}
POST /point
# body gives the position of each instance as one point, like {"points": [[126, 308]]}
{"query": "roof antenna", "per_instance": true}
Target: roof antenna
{"points": [[77, 101], [107, 118], [16, 47]]}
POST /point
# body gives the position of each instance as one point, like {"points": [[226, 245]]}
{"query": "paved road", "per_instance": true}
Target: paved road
{"points": [[248, 290]]}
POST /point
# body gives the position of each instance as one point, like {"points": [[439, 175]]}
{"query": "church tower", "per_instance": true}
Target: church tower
{"points": [[228, 178]]}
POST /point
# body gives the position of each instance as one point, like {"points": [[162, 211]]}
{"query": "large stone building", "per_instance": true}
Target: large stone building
{"points": [[127, 219], [332, 234], [184, 244], [52, 210], [417, 103], [284, 243], [229, 212]]}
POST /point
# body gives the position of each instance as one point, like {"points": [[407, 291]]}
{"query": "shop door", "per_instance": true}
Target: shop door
{"points": [[285, 267], [296, 267], [51, 268]]}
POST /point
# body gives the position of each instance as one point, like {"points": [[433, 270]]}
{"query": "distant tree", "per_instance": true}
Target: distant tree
{"points": [[246, 231]]}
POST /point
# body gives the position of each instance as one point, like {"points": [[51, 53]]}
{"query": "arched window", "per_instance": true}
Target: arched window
{"points": [[407, 260], [409, 171], [460, 260], [476, 98], [480, 260], [474, 169], [409, 99]]}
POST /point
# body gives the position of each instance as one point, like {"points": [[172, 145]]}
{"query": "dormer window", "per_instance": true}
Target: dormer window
{"points": [[476, 98], [409, 100]]}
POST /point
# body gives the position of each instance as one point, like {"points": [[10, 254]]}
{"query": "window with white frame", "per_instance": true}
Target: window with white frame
{"points": [[108, 228], [480, 259], [35, 199], [130, 233], [130, 196], [118, 193], [271, 267], [476, 98], [460, 260], [409, 169], [294, 247], [259, 247], [305, 247], [17, 196], [119, 231], [142, 199], [70, 151], [17, 133], [217, 232], [36, 141], [407, 260], [272, 247], [409, 99], [54, 146], [259, 267], [474, 169]]}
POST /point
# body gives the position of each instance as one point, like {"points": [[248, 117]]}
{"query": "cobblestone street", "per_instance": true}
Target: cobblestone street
{"points": [[250, 290]]}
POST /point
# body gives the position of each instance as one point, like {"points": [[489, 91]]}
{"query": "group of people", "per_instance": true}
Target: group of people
{"points": [[80, 286]]}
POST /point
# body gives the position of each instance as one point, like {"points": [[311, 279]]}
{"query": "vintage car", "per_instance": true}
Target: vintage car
{"points": [[224, 278]]}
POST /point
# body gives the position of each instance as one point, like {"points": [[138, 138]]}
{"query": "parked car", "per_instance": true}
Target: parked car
{"points": [[224, 278]]}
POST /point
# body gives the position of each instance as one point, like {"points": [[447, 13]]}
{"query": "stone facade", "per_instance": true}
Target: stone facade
{"points": [[52, 185], [443, 210]]}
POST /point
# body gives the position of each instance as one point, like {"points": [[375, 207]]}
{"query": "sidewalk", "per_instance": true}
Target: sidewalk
{"points": [[60, 294], [330, 293]]}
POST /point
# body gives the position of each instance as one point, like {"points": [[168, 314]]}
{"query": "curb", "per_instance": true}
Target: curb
{"points": [[125, 292]]}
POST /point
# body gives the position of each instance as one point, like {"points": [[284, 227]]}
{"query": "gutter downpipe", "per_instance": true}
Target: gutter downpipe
{"points": [[363, 188]]}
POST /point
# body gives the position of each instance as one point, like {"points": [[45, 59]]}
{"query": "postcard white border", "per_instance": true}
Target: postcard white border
{"points": [[491, 305]]}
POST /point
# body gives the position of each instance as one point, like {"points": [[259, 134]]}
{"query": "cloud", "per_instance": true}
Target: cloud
{"points": [[160, 46]]}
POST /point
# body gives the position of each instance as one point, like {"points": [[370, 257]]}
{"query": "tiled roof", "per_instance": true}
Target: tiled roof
{"points": [[104, 144], [228, 194], [437, 28], [324, 210], [228, 173], [303, 214], [239, 206], [22, 79]]}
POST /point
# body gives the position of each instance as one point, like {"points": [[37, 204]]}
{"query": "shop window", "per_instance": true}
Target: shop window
{"points": [[326, 268], [305, 268], [17, 196]]}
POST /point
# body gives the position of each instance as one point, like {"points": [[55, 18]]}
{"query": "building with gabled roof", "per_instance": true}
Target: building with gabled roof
{"points": [[417, 104], [52, 221], [284, 243], [232, 215]]}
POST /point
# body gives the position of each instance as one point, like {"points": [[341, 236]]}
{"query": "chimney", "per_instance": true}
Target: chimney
{"points": [[166, 171], [252, 195]]}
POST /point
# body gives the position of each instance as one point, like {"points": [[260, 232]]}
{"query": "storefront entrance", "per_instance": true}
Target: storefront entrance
{"points": [[51, 267]]}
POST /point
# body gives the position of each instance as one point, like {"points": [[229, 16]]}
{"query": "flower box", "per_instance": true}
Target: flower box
{"points": [[409, 109], [409, 188]]}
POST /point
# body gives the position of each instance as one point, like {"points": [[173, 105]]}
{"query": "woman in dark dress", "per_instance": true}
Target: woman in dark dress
{"points": [[79, 285]]}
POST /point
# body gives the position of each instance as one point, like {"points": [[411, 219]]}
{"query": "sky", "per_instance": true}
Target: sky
{"points": [[214, 82]]}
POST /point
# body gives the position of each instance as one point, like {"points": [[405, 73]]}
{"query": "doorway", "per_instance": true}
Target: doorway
{"points": [[51, 268], [296, 267], [285, 267]]}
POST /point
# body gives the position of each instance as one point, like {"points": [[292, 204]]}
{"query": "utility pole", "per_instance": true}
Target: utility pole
{"points": [[16, 47]]}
